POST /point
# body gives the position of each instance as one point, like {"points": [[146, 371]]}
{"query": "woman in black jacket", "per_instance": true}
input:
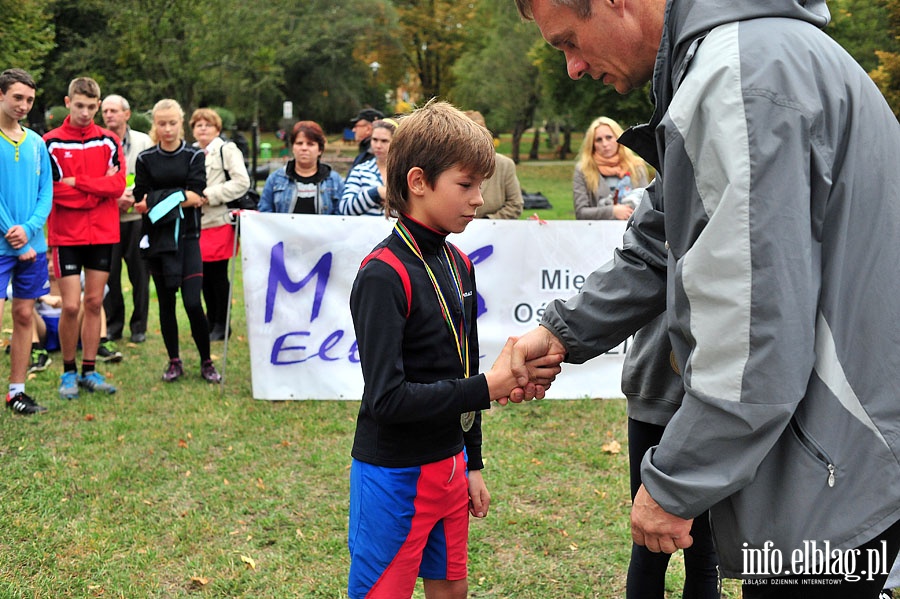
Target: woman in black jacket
{"points": [[169, 180]]}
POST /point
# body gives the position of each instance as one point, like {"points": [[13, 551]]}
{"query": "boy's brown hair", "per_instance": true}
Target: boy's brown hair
{"points": [[11, 76], [435, 138], [84, 86]]}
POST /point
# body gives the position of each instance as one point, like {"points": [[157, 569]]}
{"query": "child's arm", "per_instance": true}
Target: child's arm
{"points": [[479, 498]]}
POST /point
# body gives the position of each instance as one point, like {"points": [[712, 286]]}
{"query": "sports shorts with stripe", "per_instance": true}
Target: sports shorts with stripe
{"points": [[407, 523]]}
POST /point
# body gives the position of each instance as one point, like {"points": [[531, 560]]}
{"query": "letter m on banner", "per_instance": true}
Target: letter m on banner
{"points": [[278, 277]]}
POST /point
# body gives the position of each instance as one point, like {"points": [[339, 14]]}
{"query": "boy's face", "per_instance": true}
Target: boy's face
{"points": [[82, 109], [451, 205], [16, 103]]}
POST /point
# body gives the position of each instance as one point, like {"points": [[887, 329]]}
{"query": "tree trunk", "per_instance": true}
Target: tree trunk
{"points": [[517, 132], [534, 154], [566, 148]]}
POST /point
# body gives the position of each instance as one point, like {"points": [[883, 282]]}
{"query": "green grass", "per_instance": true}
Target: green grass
{"points": [[171, 490]]}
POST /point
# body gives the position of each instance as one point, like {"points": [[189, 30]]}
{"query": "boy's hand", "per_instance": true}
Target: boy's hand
{"points": [[141, 207], [28, 256], [479, 498], [537, 347], [541, 371], [112, 170], [16, 236]]}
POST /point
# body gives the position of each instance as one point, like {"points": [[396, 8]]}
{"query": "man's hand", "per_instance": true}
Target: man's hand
{"points": [[656, 529], [502, 381], [537, 343], [16, 236]]}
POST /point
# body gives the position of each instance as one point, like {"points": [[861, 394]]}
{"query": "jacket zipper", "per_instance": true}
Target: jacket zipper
{"points": [[814, 449]]}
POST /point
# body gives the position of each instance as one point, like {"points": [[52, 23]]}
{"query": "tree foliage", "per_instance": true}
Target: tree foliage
{"points": [[251, 57], [434, 34], [28, 34], [496, 75]]}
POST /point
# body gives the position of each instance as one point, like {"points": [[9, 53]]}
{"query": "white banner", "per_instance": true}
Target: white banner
{"points": [[298, 271]]}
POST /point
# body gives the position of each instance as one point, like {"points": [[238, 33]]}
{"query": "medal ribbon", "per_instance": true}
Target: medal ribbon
{"points": [[459, 335]]}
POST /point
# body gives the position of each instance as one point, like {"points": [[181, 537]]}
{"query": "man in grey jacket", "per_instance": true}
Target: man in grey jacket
{"points": [[769, 238]]}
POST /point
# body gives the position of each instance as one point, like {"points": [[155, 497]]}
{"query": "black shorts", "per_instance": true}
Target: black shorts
{"points": [[70, 259]]}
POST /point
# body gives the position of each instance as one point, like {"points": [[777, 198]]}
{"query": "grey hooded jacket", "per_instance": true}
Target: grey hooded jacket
{"points": [[778, 266]]}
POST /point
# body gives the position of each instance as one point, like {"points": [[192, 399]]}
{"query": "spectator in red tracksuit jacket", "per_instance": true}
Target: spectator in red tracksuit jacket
{"points": [[88, 177]]}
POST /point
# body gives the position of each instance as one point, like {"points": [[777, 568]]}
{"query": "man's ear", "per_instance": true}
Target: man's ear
{"points": [[415, 180], [616, 5], [68, 101]]}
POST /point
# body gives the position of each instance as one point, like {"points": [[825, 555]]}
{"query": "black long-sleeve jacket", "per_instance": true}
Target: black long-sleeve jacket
{"points": [[415, 385]]}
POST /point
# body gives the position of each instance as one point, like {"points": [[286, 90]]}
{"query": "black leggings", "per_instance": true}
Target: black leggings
{"points": [[215, 291], [191, 288], [647, 570]]}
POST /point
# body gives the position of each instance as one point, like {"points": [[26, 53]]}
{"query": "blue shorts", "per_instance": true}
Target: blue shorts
{"points": [[30, 278], [407, 523]]}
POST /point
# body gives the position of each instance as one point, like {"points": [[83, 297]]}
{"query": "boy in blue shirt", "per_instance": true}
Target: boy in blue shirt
{"points": [[416, 472], [26, 195]]}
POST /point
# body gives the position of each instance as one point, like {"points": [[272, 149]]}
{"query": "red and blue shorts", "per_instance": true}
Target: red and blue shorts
{"points": [[407, 523]]}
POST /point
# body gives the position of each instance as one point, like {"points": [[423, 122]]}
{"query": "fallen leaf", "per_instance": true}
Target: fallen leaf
{"points": [[182, 443], [200, 581], [249, 561], [89, 417], [611, 447]]}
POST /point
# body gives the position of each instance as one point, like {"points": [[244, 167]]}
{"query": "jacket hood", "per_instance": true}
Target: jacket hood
{"points": [[686, 24], [686, 20]]}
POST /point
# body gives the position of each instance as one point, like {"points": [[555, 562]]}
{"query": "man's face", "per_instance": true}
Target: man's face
{"points": [[114, 116], [362, 129], [16, 103], [616, 44], [82, 109]]}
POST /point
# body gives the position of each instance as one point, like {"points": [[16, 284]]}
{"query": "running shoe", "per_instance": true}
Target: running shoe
{"points": [[208, 371], [68, 385], [40, 360], [107, 352], [95, 382], [23, 404], [174, 371]]}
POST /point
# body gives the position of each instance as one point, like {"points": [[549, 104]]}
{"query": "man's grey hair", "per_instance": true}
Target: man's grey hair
{"points": [[582, 8], [119, 99]]}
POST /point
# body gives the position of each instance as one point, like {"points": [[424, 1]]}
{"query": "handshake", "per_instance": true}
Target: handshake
{"points": [[526, 367]]}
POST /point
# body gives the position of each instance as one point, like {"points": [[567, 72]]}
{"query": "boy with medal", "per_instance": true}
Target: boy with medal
{"points": [[416, 472]]}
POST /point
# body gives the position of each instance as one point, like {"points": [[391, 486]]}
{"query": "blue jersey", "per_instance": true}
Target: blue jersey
{"points": [[26, 190]]}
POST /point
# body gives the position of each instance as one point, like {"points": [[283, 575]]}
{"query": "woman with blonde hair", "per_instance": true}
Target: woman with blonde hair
{"points": [[605, 173], [169, 182]]}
